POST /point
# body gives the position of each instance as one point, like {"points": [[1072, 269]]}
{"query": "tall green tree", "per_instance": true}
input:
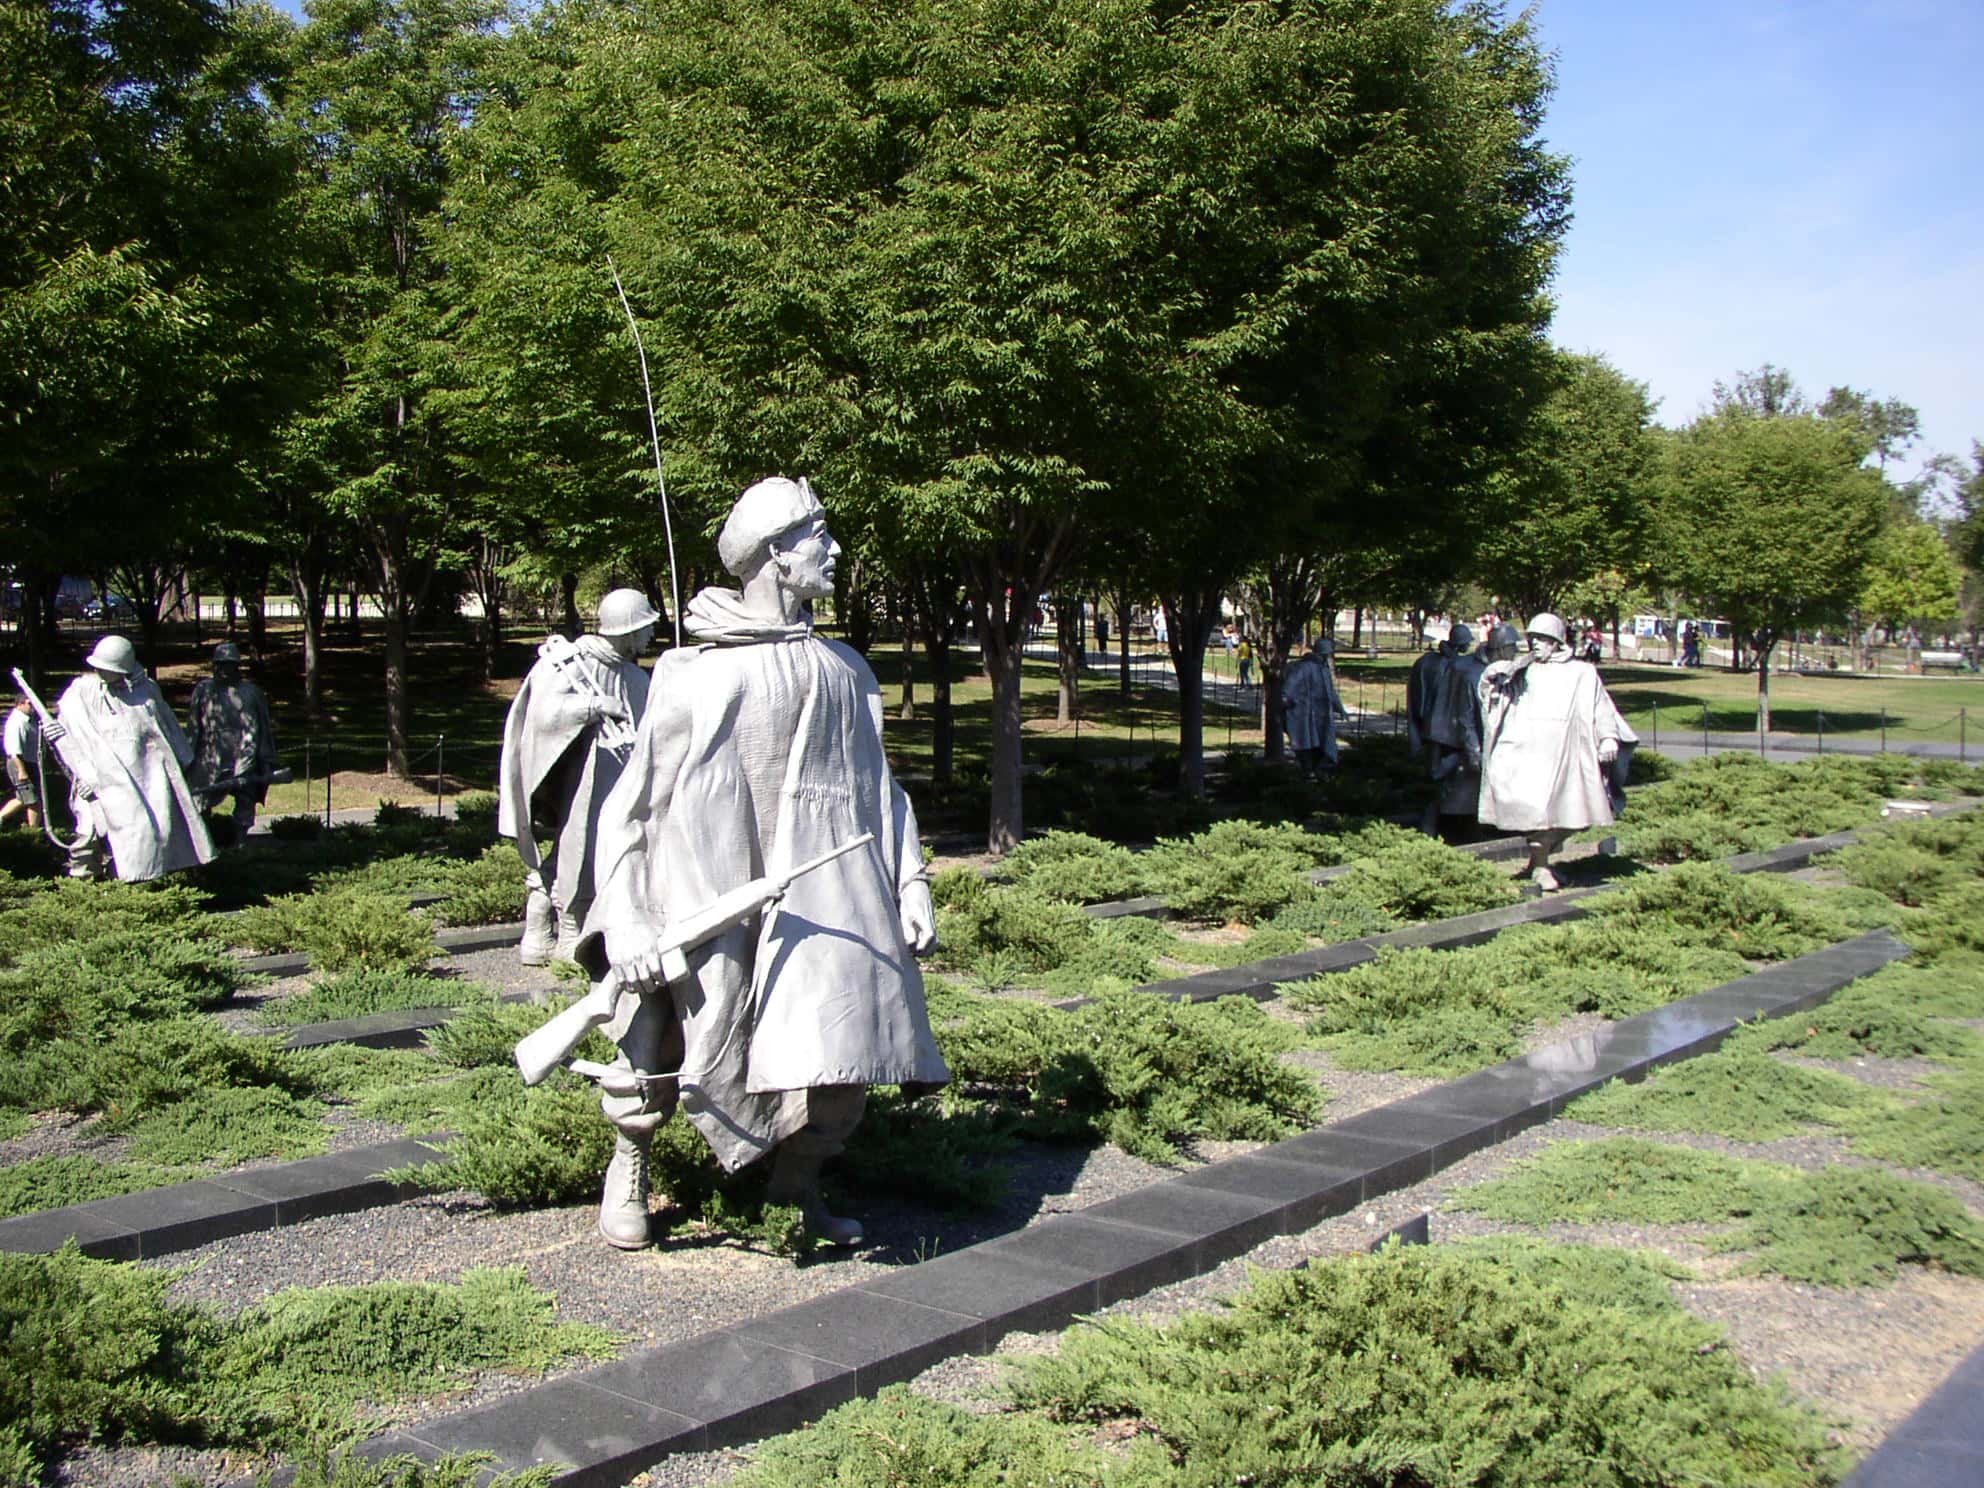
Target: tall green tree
{"points": [[1771, 522], [378, 90], [1912, 578], [1579, 498]]}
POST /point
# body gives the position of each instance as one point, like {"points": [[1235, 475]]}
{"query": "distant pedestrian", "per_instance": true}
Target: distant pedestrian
{"points": [[1245, 653], [22, 736]]}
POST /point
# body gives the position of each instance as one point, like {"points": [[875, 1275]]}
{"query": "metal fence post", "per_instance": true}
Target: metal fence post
{"points": [[1822, 731], [1963, 736], [306, 771], [1704, 729], [327, 788], [1884, 729], [440, 771], [1656, 725]]}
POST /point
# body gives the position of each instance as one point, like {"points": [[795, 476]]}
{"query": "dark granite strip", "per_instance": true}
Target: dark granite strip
{"points": [[777, 1372], [158, 1221], [1941, 1445]]}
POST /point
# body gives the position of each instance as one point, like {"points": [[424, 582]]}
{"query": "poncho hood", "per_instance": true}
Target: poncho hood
{"points": [[720, 617]]}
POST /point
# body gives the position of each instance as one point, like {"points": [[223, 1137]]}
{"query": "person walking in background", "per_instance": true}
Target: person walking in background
{"points": [[1245, 653], [22, 743]]}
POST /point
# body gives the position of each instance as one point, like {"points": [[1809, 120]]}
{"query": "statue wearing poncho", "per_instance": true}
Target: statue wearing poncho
{"points": [[1554, 746], [762, 749], [132, 794]]}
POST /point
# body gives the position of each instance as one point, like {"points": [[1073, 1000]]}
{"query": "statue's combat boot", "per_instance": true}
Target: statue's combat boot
{"points": [[623, 1206], [540, 930], [796, 1180]]}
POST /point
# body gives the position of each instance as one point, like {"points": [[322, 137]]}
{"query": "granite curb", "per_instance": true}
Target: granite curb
{"points": [[158, 1221], [756, 1379], [1940, 1445]]}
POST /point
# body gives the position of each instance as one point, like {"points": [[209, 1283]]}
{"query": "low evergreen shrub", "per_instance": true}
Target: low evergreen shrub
{"points": [[1421, 1365], [1237, 870], [1841, 1227], [487, 889], [475, 812], [1746, 1096], [70, 910], [296, 828], [1414, 878], [340, 929], [1944, 1131], [355, 994], [1758, 916], [93, 1350], [1074, 867], [229, 1125], [455, 1470], [1331, 919], [1878, 1017]]}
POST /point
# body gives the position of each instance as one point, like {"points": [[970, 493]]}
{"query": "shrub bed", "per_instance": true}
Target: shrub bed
{"points": [[1493, 1363]]}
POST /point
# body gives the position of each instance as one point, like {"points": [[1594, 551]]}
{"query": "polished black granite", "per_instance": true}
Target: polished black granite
{"points": [[159, 1221], [1941, 1445]]}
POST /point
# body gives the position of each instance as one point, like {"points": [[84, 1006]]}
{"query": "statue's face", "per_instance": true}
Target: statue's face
{"points": [[1542, 647], [634, 642], [806, 557]]}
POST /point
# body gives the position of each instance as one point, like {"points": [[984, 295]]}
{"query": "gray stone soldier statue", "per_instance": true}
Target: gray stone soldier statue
{"points": [[761, 750], [127, 759], [1311, 706], [232, 738], [1554, 748], [564, 742]]}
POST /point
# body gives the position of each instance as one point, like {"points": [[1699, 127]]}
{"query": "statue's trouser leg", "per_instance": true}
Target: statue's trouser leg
{"points": [[244, 815], [1541, 846], [86, 852], [833, 1112], [571, 920], [540, 923], [652, 1044]]}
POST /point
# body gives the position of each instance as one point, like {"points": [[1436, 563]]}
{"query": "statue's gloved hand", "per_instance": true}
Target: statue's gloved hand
{"points": [[85, 790], [636, 955], [919, 917], [613, 708], [1608, 751], [643, 965]]}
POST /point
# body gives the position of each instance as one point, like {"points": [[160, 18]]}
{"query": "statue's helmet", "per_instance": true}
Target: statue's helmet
{"points": [[1547, 624], [768, 510], [1505, 637], [625, 611], [1461, 636], [227, 654], [112, 653]]}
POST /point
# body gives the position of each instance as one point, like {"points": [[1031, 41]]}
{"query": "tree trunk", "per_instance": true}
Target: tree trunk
{"points": [[1121, 598], [390, 545], [930, 603], [37, 622], [568, 603], [1357, 628], [1005, 657], [1765, 639], [1070, 646], [1191, 618], [904, 617]]}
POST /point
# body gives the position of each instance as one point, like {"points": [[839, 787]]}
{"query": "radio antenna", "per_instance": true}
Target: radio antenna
{"points": [[654, 437]]}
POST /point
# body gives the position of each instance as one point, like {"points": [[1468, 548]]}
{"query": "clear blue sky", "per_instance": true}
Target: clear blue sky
{"points": [[1790, 182]]}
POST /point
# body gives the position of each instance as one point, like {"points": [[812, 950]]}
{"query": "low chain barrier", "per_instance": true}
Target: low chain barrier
{"points": [[1789, 739]]}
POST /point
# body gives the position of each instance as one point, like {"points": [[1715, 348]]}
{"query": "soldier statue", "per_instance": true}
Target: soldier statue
{"points": [[1554, 747], [761, 751], [127, 759], [234, 742], [565, 741]]}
